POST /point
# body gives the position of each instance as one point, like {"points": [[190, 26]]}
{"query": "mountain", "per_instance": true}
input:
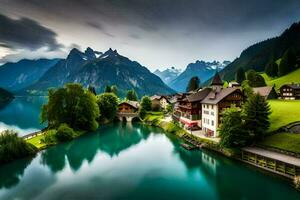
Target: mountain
{"points": [[5, 97], [258, 55], [15, 76], [204, 71], [97, 69], [167, 75]]}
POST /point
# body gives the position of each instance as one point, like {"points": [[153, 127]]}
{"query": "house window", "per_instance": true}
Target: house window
{"points": [[212, 122], [212, 113]]}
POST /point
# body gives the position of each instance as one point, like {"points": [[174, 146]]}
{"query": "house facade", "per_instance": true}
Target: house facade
{"points": [[161, 101], [290, 91], [216, 102], [189, 110], [128, 107]]}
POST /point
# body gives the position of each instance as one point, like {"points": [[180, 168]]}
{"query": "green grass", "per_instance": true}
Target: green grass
{"points": [[36, 141], [291, 77], [283, 113], [283, 141]]}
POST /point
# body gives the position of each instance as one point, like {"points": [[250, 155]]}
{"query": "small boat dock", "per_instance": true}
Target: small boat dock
{"points": [[276, 162], [188, 146]]}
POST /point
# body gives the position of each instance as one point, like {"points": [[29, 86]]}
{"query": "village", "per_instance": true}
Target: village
{"points": [[200, 113]]}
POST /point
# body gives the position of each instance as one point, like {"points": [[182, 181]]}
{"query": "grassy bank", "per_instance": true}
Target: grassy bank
{"points": [[278, 82], [47, 138], [156, 119], [283, 113], [283, 141]]}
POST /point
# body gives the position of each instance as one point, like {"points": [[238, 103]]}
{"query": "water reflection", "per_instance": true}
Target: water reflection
{"points": [[132, 161], [111, 139], [22, 115], [10, 174]]}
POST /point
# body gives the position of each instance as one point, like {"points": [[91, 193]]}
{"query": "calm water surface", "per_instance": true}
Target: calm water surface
{"points": [[132, 161]]}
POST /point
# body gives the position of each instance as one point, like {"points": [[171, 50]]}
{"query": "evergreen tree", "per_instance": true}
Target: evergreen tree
{"points": [[240, 75], [131, 95], [272, 69], [92, 89], [231, 131], [257, 111], [114, 89], [287, 63], [193, 84], [255, 79], [107, 89]]}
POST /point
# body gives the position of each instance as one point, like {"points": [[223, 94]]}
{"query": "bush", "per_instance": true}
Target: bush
{"points": [[12, 147], [64, 133], [49, 137]]}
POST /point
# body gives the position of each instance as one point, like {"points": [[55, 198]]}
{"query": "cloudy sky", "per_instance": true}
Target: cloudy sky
{"points": [[156, 33]]}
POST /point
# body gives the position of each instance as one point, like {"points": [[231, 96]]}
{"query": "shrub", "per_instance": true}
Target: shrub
{"points": [[64, 133], [49, 137], [12, 147]]}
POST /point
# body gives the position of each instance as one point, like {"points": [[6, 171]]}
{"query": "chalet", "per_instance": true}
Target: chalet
{"points": [[189, 110], [128, 107], [161, 101], [290, 91], [267, 92], [215, 103]]}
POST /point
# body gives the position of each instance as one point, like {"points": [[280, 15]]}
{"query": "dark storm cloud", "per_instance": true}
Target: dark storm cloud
{"points": [[151, 15], [25, 33]]}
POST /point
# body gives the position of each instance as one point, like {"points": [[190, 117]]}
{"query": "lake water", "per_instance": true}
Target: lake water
{"points": [[131, 161]]}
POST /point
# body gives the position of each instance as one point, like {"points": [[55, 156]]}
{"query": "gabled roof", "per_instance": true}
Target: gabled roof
{"points": [[160, 97], [155, 97], [134, 104], [217, 79], [294, 86], [215, 97], [263, 91], [198, 96]]}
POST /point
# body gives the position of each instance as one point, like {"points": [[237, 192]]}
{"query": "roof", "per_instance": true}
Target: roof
{"points": [[263, 91], [217, 80], [159, 98], [293, 85], [134, 104], [198, 96], [155, 97], [274, 155], [215, 97]]}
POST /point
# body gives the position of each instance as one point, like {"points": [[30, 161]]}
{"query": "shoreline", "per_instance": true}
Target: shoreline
{"points": [[235, 154]]}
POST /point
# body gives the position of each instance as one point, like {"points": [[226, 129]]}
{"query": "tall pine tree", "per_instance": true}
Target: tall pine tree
{"points": [[272, 69], [131, 95], [193, 84], [240, 75], [288, 62], [257, 111]]}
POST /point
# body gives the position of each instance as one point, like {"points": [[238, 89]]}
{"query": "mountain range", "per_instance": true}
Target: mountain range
{"points": [[204, 71], [99, 70], [168, 75], [16, 76]]}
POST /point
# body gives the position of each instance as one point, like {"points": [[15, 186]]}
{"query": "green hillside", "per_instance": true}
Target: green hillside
{"points": [[258, 55], [289, 78], [283, 113]]}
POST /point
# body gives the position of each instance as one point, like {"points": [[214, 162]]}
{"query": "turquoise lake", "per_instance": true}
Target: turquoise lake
{"points": [[127, 161]]}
